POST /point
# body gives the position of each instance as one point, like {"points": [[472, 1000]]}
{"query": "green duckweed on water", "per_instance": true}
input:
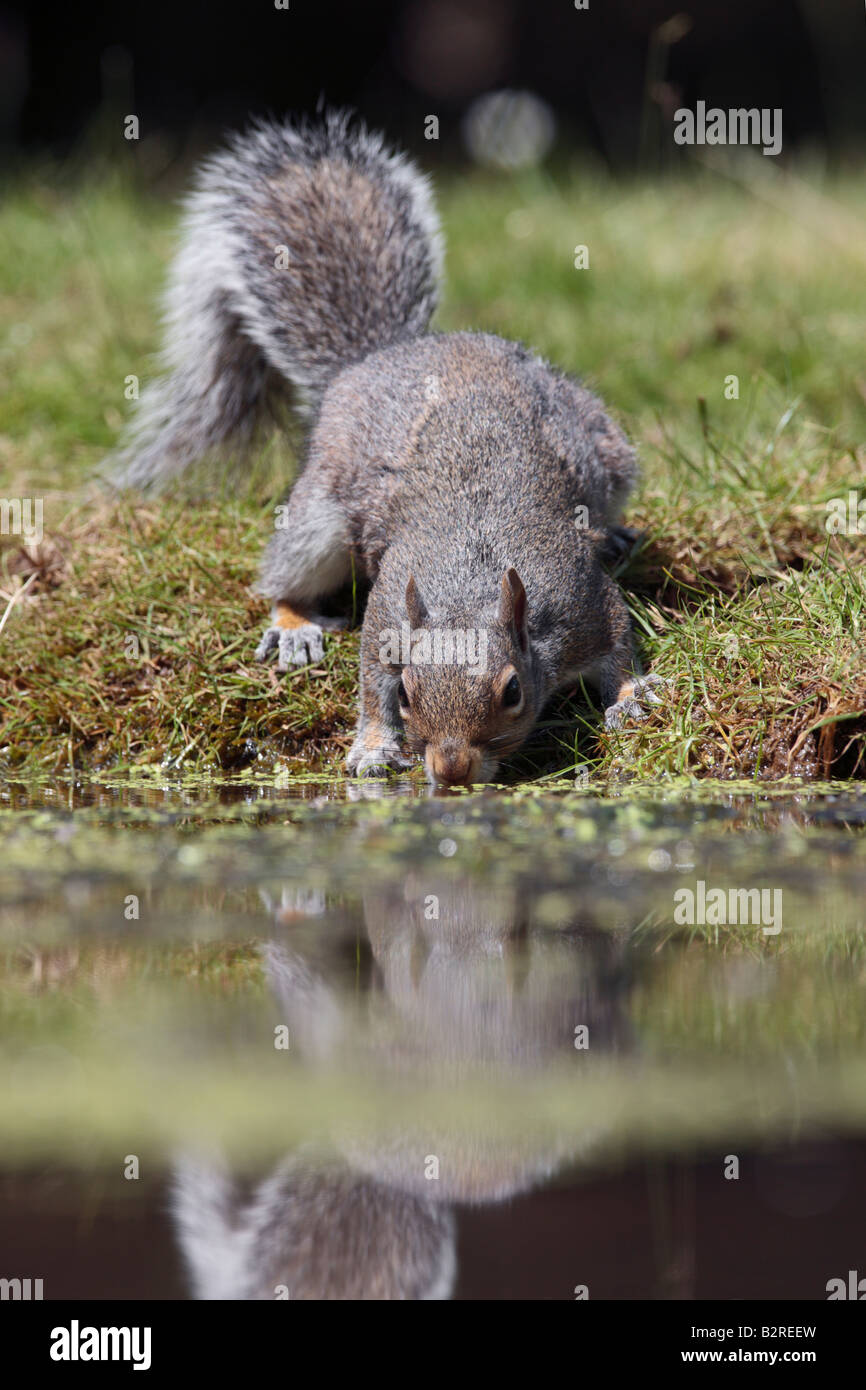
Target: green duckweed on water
{"points": [[149, 925]]}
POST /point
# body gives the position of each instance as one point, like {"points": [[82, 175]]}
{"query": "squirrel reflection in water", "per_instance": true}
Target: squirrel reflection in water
{"points": [[480, 994]]}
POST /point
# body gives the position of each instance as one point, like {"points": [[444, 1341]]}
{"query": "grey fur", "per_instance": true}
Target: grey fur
{"points": [[313, 1228], [364, 262], [483, 994], [449, 459]]}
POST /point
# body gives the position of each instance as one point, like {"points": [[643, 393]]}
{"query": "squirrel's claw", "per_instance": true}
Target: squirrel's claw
{"points": [[296, 646], [270, 639], [631, 707], [618, 543], [376, 762]]}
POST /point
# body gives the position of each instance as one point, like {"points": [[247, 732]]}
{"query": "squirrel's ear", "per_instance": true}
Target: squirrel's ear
{"points": [[512, 606], [415, 607]]}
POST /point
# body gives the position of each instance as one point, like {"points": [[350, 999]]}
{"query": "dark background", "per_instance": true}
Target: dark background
{"points": [[189, 69], [660, 1228]]}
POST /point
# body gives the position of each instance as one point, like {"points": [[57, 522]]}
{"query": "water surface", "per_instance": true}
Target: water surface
{"points": [[336, 1030]]}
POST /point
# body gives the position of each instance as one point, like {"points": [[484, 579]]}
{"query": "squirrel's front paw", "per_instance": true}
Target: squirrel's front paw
{"points": [[630, 706], [364, 761], [296, 646]]}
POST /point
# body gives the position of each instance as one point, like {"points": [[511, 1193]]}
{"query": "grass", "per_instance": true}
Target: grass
{"points": [[161, 1025], [129, 629]]}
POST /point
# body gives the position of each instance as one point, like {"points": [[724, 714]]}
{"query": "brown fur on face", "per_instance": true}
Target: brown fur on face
{"points": [[457, 720], [460, 718]]}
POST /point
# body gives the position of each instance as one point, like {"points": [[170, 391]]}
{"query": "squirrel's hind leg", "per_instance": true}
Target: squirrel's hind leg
{"points": [[306, 560], [297, 638]]}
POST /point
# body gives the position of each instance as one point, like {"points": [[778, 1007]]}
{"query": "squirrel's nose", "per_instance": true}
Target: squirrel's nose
{"points": [[451, 764]]}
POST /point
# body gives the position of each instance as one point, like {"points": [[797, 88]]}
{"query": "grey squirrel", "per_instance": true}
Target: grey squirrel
{"points": [[481, 998], [469, 482]]}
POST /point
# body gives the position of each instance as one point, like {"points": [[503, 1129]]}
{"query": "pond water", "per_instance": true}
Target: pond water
{"points": [[314, 1040]]}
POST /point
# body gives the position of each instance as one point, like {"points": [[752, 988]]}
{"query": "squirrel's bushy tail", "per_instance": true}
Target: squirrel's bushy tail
{"points": [[304, 248]]}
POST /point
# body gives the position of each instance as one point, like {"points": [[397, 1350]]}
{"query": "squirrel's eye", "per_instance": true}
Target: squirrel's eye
{"points": [[512, 694], [402, 696]]}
